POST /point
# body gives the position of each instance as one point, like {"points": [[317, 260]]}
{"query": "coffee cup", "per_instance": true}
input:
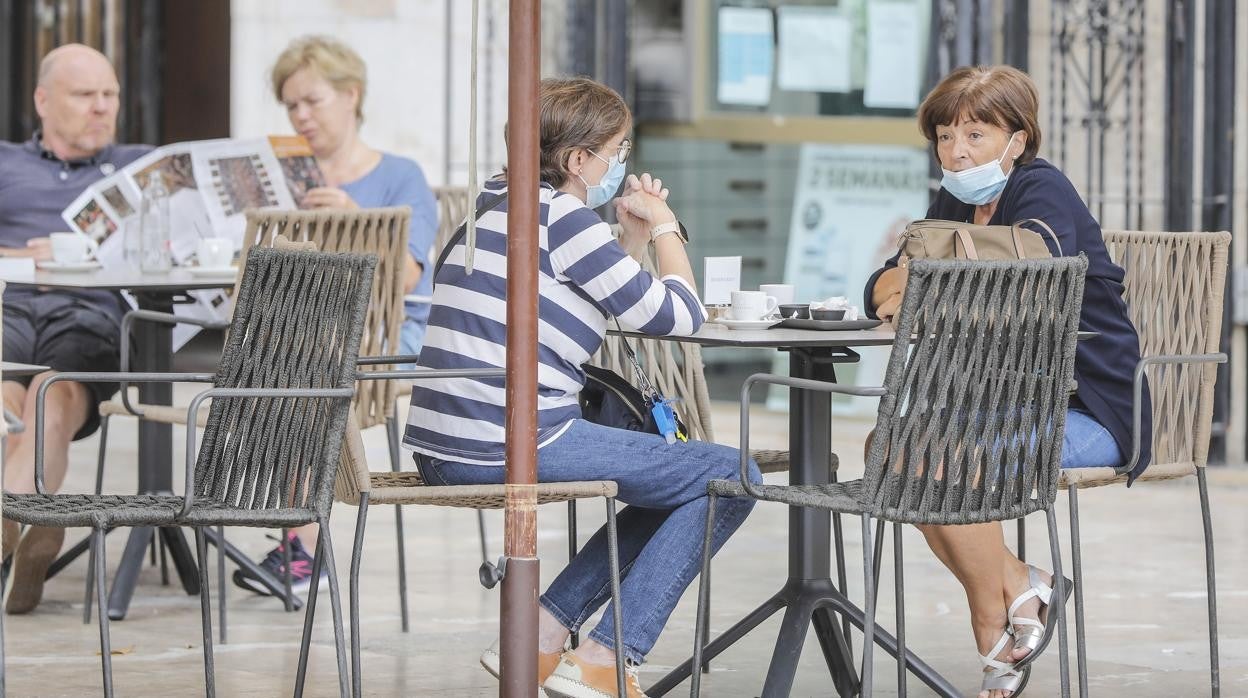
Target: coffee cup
{"points": [[71, 248], [783, 293], [751, 306], [215, 253]]}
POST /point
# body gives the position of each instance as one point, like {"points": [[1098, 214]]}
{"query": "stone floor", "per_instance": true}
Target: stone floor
{"points": [[1144, 578]]}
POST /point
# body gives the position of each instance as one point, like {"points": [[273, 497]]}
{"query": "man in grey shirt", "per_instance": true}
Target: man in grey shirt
{"points": [[77, 98]]}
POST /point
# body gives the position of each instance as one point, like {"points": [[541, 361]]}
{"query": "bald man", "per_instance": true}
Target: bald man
{"points": [[77, 99]]}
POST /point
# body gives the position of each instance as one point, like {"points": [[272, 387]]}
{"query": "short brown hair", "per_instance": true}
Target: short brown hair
{"points": [[576, 113], [333, 60], [1000, 95]]}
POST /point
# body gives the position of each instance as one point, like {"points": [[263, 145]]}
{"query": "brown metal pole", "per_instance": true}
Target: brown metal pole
{"points": [[520, 583]]}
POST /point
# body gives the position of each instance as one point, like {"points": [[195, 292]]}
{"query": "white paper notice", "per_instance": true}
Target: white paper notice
{"points": [[722, 276], [893, 44], [746, 55], [814, 48]]}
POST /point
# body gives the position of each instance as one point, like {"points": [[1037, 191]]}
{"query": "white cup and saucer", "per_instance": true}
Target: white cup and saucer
{"points": [[750, 310], [71, 252], [214, 257]]}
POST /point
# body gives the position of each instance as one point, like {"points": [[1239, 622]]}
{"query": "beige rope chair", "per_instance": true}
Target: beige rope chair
{"points": [[378, 231], [1174, 286]]}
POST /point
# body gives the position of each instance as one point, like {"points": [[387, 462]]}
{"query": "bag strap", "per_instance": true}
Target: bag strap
{"points": [[1042, 224], [968, 244], [486, 206]]}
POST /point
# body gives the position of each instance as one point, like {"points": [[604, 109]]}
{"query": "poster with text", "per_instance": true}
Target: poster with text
{"points": [[851, 204]]}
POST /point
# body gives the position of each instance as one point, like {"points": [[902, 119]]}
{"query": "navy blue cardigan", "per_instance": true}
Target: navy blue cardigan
{"points": [[1105, 365]]}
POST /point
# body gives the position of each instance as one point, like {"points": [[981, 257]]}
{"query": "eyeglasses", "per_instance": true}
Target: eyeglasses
{"points": [[623, 151]]}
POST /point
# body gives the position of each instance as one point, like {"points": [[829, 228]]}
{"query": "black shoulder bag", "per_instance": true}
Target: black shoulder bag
{"points": [[607, 398]]}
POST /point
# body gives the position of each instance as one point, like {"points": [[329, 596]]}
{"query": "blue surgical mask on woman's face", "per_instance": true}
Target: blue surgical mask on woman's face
{"points": [[600, 193], [980, 184]]}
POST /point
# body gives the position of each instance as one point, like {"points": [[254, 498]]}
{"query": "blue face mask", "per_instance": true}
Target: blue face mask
{"points": [[600, 193], [980, 184]]}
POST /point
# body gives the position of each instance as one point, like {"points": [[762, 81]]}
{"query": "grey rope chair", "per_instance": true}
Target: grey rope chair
{"points": [[378, 231], [970, 423], [281, 400], [1174, 287]]}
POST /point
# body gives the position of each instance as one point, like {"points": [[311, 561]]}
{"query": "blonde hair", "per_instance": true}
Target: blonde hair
{"points": [[331, 59]]}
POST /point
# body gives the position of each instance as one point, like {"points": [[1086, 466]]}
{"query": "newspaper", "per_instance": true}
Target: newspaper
{"points": [[210, 183]]}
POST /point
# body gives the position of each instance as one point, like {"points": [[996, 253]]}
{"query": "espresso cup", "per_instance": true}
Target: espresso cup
{"points": [[71, 248], [751, 305], [215, 253], [783, 293]]}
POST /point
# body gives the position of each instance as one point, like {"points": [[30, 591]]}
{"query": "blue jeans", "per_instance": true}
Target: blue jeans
{"points": [[1088, 444], [660, 532]]}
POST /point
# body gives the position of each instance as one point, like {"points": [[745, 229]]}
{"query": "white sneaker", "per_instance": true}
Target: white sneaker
{"points": [[574, 678], [493, 662]]}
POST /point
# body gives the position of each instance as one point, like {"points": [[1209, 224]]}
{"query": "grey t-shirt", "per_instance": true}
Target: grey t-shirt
{"points": [[35, 186]]}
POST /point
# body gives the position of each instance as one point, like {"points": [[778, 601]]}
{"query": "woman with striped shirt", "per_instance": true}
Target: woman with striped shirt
{"points": [[456, 426]]}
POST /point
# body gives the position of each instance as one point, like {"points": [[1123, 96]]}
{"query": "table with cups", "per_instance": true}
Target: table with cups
{"points": [[157, 291]]}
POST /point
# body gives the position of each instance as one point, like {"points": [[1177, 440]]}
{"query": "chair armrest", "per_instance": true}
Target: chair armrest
{"points": [[42, 396], [1137, 401], [127, 325], [192, 414], [384, 360], [799, 383], [425, 373]]}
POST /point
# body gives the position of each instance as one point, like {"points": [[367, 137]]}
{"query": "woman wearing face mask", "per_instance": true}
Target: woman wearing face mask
{"points": [[456, 426], [983, 127]]}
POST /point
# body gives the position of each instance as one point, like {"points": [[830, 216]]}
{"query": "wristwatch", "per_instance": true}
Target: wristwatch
{"points": [[669, 227]]}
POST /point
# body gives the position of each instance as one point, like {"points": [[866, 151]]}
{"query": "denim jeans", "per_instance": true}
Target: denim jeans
{"points": [[1088, 444], [660, 532]]}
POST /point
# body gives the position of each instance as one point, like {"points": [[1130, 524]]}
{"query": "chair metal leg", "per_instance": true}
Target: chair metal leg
{"points": [[89, 597], [1215, 688], [575, 637], [704, 590], [899, 588], [617, 613], [1021, 525], [106, 649], [878, 561], [1059, 602], [99, 462], [309, 615], [392, 433], [326, 544], [1076, 563], [286, 581], [868, 625], [205, 611], [164, 560], [221, 581], [357, 553]]}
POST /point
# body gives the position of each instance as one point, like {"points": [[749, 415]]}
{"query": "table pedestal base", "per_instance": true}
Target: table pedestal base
{"points": [[806, 602]]}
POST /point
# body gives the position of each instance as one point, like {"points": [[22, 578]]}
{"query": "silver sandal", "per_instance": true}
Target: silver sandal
{"points": [[1030, 633], [1004, 676]]}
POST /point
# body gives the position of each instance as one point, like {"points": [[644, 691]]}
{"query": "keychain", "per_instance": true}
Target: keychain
{"points": [[665, 418]]}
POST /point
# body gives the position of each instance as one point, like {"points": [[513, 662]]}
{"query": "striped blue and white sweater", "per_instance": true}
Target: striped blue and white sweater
{"points": [[584, 277]]}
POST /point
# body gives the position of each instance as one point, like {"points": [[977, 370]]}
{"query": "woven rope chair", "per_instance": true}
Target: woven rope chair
{"points": [[357, 485], [970, 421], [378, 231], [281, 401], [1174, 286]]}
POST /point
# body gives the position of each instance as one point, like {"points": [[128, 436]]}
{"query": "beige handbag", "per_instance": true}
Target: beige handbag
{"points": [[936, 239]]}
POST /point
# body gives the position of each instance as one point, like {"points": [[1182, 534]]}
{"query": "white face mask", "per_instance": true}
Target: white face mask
{"points": [[980, 184]]}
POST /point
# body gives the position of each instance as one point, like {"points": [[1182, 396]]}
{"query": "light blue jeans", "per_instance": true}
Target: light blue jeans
{"points": [[660, 532], [1088, 444]]}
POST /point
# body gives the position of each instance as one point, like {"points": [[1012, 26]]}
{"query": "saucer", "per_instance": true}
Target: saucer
{"points": [[85, 265], [747, 324], [213, 271]]}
